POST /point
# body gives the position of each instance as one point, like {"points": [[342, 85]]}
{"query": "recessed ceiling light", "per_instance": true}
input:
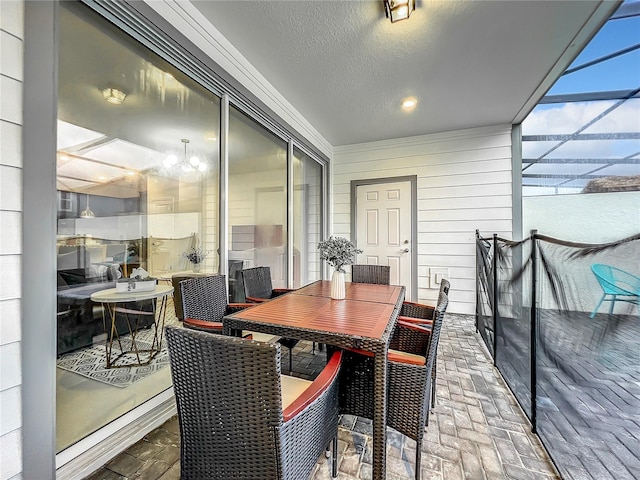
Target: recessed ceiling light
{"points": [[409, 103]]}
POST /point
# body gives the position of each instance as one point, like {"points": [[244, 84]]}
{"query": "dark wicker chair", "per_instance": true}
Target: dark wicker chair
{"points": [[423, 315], [411, 359], [257, 285], [240, 418], [177, 294], [257, 289], [204, 301], [379, 274]]}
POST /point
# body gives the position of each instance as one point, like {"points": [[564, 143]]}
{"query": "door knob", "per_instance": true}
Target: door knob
{"points": [[406, 250]]}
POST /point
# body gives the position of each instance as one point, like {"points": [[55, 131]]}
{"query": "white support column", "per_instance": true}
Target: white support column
{"points": [[290, 198], [224, 186]]}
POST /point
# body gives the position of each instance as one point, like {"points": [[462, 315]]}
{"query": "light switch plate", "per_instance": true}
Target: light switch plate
{"points": [[436, 274]]}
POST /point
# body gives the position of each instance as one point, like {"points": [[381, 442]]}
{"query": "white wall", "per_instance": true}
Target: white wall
{"points": [[464, 184], [583, 218], [11, 62]]}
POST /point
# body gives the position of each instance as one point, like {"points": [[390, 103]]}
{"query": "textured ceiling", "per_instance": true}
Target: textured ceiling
{"points": [[345, 67]]}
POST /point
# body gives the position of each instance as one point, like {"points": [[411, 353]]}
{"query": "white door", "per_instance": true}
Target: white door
{"points": [[383, 219]]}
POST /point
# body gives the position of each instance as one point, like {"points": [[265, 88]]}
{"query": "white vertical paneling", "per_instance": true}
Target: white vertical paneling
{"points": [[393, 226], [394, 271], [11, 72], [464, 183], [372, 227], [372, 260]]}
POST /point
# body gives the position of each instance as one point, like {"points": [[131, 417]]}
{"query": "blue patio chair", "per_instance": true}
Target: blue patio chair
{"points": [[618, 285]]}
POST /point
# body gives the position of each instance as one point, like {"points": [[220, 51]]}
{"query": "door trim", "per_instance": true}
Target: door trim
{"points": [[413, 180]]}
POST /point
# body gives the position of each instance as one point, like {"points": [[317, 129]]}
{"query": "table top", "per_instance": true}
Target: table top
{"points": [[365, 312], [363, 292], [110, 295], [169, 275]]}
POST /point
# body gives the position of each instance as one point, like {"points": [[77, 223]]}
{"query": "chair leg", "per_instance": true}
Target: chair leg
{"points": [[334, 460], [595, 310], [613, 301], [418, 458], [434, 374]]}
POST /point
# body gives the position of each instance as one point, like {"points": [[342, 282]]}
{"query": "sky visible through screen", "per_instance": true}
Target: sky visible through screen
{"points": [[621, 73]]}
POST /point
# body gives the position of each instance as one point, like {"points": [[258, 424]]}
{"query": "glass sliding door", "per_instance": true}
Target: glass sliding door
{"points": [[138, 181], [257, 201], [307, 218]]}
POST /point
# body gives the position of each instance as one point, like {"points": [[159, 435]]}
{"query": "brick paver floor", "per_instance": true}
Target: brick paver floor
{"points": [[476, 432]]}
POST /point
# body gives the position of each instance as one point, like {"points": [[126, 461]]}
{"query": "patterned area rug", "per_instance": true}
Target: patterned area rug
{"points": [[91, 362]]}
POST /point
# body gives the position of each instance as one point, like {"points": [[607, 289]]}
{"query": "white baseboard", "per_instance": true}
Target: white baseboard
{"points": [[96, 450]]}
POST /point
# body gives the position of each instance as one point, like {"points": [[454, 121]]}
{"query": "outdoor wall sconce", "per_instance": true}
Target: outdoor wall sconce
{"points": [[398, 10], [113, 95]]}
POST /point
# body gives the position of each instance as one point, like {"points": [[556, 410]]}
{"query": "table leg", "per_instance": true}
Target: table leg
{"points": [[113, 335], [111, 331], [159, 323], [380, 416]]}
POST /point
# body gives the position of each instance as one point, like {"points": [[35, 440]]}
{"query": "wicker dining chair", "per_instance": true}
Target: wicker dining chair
{"points": [[411, 358], [378, 274], [257, 289], [204, 302], [177, 293], [240, 418], [423, 315]]}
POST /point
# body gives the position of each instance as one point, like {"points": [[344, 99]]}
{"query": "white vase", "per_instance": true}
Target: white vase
{"points": [[337, 285], [196, 267]]}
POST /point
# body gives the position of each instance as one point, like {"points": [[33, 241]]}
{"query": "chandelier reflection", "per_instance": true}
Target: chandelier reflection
{"points": [[185, 164]]}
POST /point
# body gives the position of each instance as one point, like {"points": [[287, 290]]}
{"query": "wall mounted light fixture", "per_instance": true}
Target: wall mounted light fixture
{"points": [[397, 10], [113, 95]]}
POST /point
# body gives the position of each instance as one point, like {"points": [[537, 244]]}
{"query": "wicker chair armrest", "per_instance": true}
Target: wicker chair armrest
{"points": [[416, 321], [236, 307], [419, 327], [393, 356], [198, 324], [407, 358], [319, 385], [410, 338], [417, 310], [276, 292], [256, 300]]}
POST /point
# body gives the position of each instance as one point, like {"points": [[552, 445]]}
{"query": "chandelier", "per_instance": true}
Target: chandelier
{"points": [[184, 164]]}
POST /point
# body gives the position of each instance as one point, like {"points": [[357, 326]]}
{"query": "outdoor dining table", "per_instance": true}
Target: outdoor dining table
{"points": [[364, 320]]}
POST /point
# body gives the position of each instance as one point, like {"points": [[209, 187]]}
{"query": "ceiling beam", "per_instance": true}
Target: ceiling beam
{"points": [[609, 161], [581, 136]]}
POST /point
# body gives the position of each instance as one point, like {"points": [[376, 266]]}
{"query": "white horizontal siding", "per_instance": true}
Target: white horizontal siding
{"points": [[11, 71], [464, 184]]}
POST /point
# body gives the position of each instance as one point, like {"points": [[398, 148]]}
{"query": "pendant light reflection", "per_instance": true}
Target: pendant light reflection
{"points": [[87, 212], [183, 164]]}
